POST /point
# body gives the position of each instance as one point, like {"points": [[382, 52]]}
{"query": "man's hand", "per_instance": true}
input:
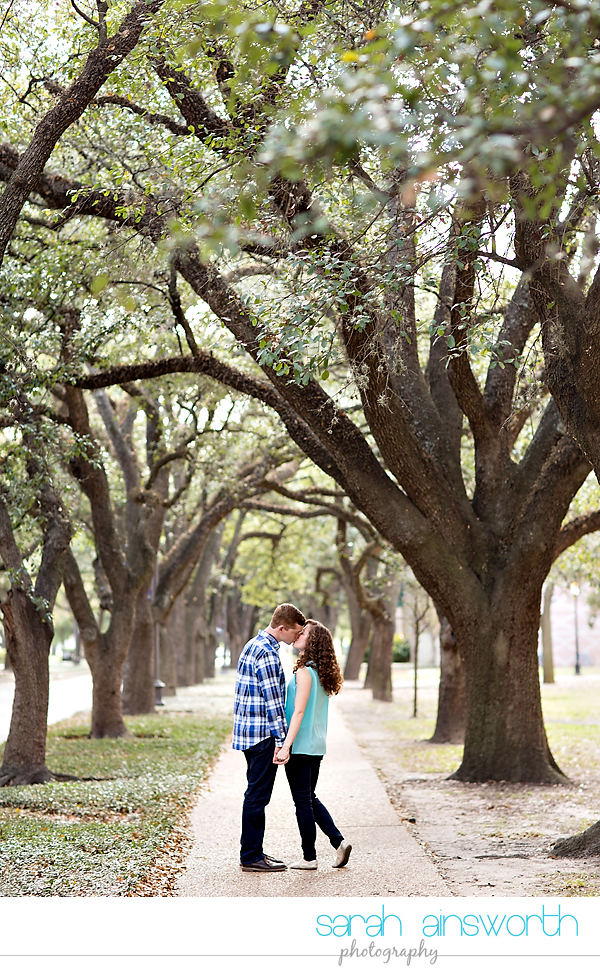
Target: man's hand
{"points": [[281, 755]]}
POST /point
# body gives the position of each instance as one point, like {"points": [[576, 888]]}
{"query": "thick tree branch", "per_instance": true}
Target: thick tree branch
{"points": [[334, 509], [177, 567], [519, 320], [125, 455], [204, 121], [181, 453], [100, 64], [79, 601], [153, 118], [91, 476], [564, 472], [281, 510], [205, 363], [575, 529], [12, 558], [178, 312], [465, 385]]}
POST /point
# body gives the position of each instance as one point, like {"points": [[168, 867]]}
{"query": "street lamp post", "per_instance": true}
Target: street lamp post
{"points": [[574, 588]]}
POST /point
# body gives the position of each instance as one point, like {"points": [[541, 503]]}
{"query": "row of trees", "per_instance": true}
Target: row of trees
{"points": [[377, 221]]}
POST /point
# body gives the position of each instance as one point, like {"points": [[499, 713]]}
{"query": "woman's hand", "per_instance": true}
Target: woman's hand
{"points": [[281, 755]]}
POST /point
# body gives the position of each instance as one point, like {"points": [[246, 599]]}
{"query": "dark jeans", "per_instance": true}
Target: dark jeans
{"points": [[302, 773], [260, 773]]}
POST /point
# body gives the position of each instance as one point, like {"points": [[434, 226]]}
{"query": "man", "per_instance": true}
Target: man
{"points": [[260, 727]]}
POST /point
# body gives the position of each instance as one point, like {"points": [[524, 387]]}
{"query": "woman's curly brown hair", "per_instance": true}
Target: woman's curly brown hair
{"points": [[320, 651]]}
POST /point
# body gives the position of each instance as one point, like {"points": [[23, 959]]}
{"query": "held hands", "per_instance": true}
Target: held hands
{"points": [[282, 755]]}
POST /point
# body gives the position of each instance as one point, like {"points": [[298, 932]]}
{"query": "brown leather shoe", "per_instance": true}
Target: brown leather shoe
{"points": [[263, 866]]}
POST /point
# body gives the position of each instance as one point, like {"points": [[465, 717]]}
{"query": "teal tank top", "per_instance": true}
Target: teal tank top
{"points": [[312, 733]]}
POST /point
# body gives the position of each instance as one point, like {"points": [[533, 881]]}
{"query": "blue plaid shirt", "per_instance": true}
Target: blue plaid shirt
{"points": [[259, 704]]}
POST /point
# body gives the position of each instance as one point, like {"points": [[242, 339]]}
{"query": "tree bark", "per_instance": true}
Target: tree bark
{"points": [[107, 676], [452, 710], [361, 631], [546, 626], [212, 638], [105, 652], [176, 623], [380, 659], [168, 665], [241, 620], [586, 844], [138, 674], [198, 649], [28, 637], [361, 620], [505, 737], [195, 642], [195, 609], [27, 619]]}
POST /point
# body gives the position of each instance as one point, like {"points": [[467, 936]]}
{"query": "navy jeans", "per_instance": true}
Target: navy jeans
{"points": [[260, 773], [302, 773]]}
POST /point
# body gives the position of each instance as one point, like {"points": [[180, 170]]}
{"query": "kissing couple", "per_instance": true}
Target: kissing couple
{"points": [[272, 730]]}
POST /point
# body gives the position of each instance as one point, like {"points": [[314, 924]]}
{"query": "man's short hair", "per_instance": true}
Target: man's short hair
{"points": [[287, 615]]}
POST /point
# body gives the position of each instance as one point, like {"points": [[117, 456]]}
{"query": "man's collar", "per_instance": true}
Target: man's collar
{"points": [[270, 637]]}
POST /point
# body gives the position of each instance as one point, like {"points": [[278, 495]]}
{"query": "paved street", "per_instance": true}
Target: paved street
{"points": [[70, 692]]}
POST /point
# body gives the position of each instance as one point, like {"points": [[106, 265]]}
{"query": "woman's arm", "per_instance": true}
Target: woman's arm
{"points": [[303, 686]]}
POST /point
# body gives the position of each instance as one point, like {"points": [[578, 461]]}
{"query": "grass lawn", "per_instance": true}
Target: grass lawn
{"points": [[121, 834]]}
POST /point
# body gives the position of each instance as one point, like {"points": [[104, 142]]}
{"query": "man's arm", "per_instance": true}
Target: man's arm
{"points": [[268, 677]]}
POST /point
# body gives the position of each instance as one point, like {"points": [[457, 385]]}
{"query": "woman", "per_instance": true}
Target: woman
{"points": [[317, 675]]}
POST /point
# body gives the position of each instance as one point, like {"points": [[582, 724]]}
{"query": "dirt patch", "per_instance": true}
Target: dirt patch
{"points": [[492, 838]]}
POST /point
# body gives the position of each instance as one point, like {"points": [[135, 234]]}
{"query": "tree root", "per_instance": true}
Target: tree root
{"points": [[23, 776], [549, 775], [586, 844], [442, 738]]}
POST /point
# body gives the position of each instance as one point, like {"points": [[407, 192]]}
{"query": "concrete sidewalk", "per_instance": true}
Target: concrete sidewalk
{"points": [[385, 859]]}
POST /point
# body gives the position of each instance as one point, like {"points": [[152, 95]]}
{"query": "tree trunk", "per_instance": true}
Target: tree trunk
{"points": [[28, 637], [250, 616], [505, 737], [199, 650], [190, 657], [233, 611], [380, 661], [358, 648], [212, 637], [195, 609], [452, 711], [105, 651], [176, 625], [546, 626], [168, 669], [138, 674], [586, 844], [241, 621], [195, 640], [361, 629], [106, 663], [210, 653]]}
